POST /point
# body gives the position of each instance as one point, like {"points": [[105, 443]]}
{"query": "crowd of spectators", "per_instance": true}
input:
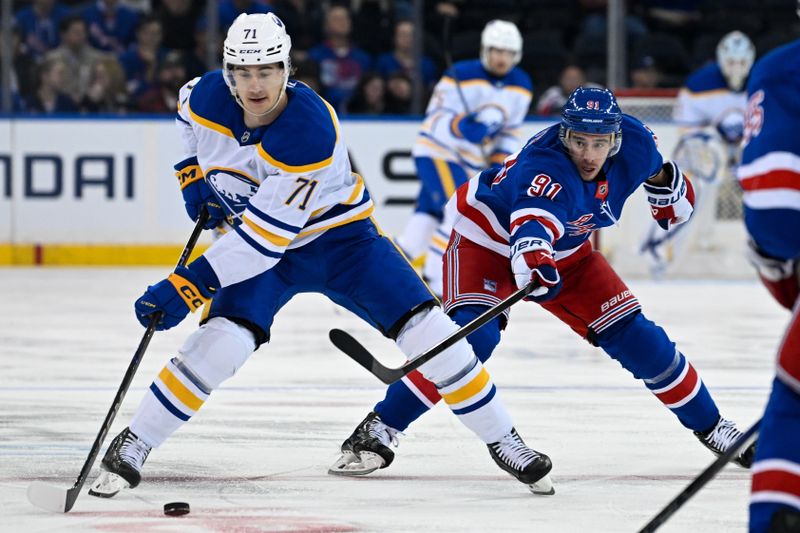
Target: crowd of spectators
{"points": [[115, 56]]}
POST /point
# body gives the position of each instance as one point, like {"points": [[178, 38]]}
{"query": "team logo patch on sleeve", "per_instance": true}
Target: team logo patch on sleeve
{"points": [[233, 189]]}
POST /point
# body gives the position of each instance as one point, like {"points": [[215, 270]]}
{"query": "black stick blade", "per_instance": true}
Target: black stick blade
{"points": [[355, 351]]}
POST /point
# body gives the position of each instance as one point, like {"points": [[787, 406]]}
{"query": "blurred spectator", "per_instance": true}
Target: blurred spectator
{"points": [[22, 75], [163, 96], [399, 93], [106, 92], [373, 21], [304, 21], [50, 95], [554, 98], [112, 27], [369, 97], [39, 25], [672, 15], [308, 73], [177, 17], [79, 56], [595, 20], [340, 63], [645, 74], [401, 58], [230, 9], [141, 59]]}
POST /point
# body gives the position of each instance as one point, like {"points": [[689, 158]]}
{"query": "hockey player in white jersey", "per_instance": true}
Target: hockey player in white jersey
{"points": [[472, 122], [266, 153], [710, 111]]}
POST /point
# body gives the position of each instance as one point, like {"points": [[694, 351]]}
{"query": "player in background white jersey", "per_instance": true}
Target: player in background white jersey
{"points": [[710, 110], [267, 153], [472, 122]]}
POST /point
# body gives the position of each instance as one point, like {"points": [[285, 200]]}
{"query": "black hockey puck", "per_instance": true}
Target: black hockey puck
{"points": [[176, 508]]}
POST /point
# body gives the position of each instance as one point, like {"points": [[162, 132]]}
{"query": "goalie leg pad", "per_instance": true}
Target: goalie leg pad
{"points": [[664, 370], [209, 356]]}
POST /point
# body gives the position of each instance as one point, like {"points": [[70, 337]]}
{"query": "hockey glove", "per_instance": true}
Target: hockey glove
{"points": [[780, 277], [197, 193], [468, 127], [181, 292], [673, 204], [532, 261]]}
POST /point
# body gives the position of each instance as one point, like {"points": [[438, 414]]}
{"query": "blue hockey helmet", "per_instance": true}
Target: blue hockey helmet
{"points": [[592, 110]]}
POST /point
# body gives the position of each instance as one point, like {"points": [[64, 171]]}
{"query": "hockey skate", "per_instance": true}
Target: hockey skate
{"points": [[526, 464], [122, 465], [367, 449], [721, 436]]}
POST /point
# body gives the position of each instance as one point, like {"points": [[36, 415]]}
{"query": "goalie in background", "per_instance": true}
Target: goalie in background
{"points": [[770, 180], [710, 109], [475, 112]]}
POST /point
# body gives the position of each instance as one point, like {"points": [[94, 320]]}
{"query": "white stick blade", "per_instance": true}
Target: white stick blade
{"points": [[47, 497]]}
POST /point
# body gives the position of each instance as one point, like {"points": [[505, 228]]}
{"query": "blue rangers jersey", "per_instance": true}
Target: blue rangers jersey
{"points": [[539, 193], [770, 169], [500, 103], [282, 185]]}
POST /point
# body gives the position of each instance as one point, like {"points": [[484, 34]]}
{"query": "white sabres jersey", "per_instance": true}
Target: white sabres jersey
{"points": [[282, 185], [499, 103], [706, 100]]}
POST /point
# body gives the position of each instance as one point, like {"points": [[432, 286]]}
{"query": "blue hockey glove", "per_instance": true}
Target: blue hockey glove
{"points": [[673, 204], [468, 127], [197, 193], [532, 261], [181, 292]]}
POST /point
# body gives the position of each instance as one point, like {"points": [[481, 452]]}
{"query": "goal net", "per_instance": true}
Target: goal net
{"points": [[713, 243]]}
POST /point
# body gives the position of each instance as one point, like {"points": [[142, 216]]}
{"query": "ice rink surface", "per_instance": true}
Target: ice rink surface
{"points": [[255, 457]]}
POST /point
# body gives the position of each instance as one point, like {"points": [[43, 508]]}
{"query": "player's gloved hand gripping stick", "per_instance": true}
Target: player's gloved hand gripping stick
{"points": [[353, 349], [59, 500]]}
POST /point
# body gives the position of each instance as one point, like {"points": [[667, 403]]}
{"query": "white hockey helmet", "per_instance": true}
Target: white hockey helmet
{"points": [[735, 56], [257, 39], [502, 35]]}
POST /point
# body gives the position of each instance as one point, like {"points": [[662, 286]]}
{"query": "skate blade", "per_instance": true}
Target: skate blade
{"points": [[107, 485], [350, 464], [543, 487]]}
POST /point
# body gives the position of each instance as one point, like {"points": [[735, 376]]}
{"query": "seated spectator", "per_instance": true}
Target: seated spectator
{"points": [[176, 16], [399, 94], [230, 9], [645, 74], [112, 27], [50, 95], [341, 64], [369, 97], [554, 98], [79, 56], [304, 21], [39, 24], [141, 59], [401, 58], [24, 68], [106, 92], [162, 97]]}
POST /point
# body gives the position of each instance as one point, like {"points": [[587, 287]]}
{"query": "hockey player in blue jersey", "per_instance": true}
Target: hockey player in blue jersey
{"points": [[531, 220], [472, 122], [770, 180], [266, 155]]}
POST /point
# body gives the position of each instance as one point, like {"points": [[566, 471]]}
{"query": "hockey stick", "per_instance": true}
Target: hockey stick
{"points": [[353, 349], [701, 480], [448, 61], [58, 500]]}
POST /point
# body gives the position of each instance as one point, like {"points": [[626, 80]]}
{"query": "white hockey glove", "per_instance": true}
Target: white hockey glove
{"points": [[532, 260], [673, 204], [780, 277]]}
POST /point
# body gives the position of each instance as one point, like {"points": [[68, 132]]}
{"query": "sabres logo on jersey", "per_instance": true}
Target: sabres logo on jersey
{"points": [[233, 188]]}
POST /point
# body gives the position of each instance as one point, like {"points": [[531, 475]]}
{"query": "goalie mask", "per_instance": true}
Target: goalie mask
{"points": [[502, 35], [735, 56], [592, 110], [258, 39]]}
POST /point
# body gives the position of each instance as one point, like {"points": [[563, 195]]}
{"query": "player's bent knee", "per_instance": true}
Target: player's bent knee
{"points": [[216, 351], [484, 339], [641, 347], [426, 329]]}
